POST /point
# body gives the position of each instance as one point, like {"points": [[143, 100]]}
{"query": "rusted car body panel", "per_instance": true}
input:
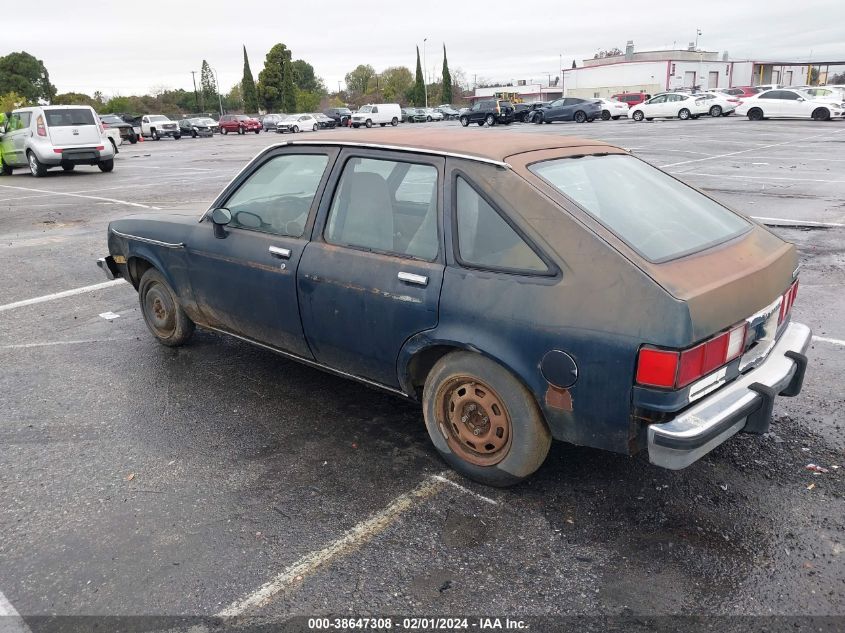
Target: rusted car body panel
{"points": [[345, 311]]}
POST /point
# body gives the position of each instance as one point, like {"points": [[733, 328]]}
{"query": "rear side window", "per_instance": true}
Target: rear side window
{"points": [[658, 216], [486, 240], [67, 117]]}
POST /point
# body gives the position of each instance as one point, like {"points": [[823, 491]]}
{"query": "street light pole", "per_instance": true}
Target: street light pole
{"points": [[196, 97], [219, 98], [425, 82]]}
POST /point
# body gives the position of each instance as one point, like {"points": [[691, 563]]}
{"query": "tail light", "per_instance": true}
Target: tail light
{"points": [[101, 126], [39, 126], [498, 108], [787, 302], [673, 369]]}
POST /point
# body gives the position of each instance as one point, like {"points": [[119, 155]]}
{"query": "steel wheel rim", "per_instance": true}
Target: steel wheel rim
{"points": [[474, 421], [160, 310]]}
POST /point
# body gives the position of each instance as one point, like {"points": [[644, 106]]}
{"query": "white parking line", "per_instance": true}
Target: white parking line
{"points": [[77, 195], [787, 222], [834, 341], [60, 295], [454, 484], [751, 149], [10, 620], [698, 173], [52, 343], [353, 538]]}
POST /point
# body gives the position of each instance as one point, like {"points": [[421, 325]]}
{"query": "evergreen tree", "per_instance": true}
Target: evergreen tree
{"points": [[248, 92], [209, 87], [288, 88], [271, 79], [447, 79], [419, 84]]}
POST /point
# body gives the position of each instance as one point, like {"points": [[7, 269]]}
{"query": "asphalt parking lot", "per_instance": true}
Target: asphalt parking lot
{"points": [[219, 478]]}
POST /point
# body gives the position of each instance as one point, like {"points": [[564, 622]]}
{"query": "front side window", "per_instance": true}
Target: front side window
{"points": [[387, 206], [486, 240], [658, 216], [276, 198]]}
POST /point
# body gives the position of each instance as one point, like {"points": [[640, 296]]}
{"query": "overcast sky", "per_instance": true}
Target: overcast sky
{"points": [[129, 48]]}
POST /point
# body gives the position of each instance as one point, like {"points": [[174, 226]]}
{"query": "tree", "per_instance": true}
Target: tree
{"points": [[419, 84], [24, 74], [573, 64], [250, 96], [307, 101], [814, 76], [305, 79], [209, 87], [78, 98], [613, 52], [395, 83], [447, 79], [233, 100], [358, 80], [271, 78], [10, 101], [288, 88]]}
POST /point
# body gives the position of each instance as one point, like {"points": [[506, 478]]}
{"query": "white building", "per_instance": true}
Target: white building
{"points": [[657, 71], [521, 92]]}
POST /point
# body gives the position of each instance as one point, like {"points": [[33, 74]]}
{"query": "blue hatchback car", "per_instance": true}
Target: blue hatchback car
{"points": [[523, 287]]}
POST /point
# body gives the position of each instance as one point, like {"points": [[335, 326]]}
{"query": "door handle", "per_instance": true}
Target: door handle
{"points": [[281, 253], [411, 278]]}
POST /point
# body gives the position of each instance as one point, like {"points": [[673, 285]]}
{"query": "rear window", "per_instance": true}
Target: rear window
{"points": [[656, 215], [67, 117]]}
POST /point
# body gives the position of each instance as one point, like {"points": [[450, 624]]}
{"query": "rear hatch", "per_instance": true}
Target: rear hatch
{"points": [[72, 127], [723, 266]]}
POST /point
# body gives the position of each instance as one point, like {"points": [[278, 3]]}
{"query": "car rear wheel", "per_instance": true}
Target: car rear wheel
{"points": [[176, 137], [716, 111], [683, 114], [464, 121], [490, 120], [483, 421], [638, 115], [69, 167], [133, 139], [258, 131], [161, 310], [36, 168], [755, 114], [579, 117], [605, 115], [821, 114], [394, 122], [106, 165]]}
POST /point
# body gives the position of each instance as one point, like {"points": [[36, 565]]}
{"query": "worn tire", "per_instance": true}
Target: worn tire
{"points": [[106, 165], [464, 121], [529, 438], [36, 167], [167, 321], [755, 114]]}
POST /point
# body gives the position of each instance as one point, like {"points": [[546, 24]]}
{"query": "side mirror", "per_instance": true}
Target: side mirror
{"points": [[220, 218], [800, 99]]}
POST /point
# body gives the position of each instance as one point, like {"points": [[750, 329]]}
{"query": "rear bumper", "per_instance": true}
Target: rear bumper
{"points": [[743, 405], [76, 155]]}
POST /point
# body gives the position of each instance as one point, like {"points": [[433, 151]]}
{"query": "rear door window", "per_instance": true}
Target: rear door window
{"points": [[656, 215], [67, 117]]}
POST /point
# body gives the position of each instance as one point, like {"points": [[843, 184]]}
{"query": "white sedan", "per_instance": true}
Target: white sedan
{"points": [[788, 104], [433, 115], [613, 109], [719, 103], [670, 105], [297, 123]]}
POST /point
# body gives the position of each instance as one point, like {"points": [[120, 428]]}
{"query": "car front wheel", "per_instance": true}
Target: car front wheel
{"points": [[394, 122], [755, 114], [464, 121], [683, 114], [821, 114], [369, 123], [161, 310], [483, 421], [223, 130], [638, 115]]}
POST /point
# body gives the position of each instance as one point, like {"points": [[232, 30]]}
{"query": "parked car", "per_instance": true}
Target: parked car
{"points": [[134, 121], [569, 109], [126, 130], [613, 109], [819, 93], [413, 115], [448, 112], [788, 104], [43, 137], [324, 122], [239, 123], [489, 111], [377, 114], [294, 123], [514, 336], [764, 87], [215, 127], [156, 126], [341, 115], [521, 111], [195, 127], [741, 91], [432, 114], [268, 122], [720, 104], [669, 105], [632, 98]]}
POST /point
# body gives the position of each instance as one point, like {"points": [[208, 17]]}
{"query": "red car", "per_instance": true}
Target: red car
{"points": [[741, 92], [632, 98], [239, 123]]}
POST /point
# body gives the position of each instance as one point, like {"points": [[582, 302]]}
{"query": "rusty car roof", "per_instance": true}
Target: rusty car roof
{"points": [[484, 145]]}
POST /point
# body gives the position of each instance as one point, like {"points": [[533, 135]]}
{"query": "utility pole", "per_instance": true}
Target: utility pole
{"points": [[196, 96], [219, 98], [425, 82], [338, 87]]}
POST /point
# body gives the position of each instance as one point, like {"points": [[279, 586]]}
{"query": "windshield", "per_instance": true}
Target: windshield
{"points": [[658, 216], [112, 119], [158, 117], [366, 109], [208, 121]]}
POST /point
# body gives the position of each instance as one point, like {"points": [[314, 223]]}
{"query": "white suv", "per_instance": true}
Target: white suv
{"points": [[54, 136]]}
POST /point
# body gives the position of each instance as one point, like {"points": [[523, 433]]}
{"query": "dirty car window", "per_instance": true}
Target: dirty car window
{"points": [[277, 197], [655, 214]]}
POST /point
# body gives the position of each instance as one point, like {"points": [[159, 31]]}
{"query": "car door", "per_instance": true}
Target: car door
{"points": [[246, 283], [771, 103], [370, 277], [654, 107], [475, 113], [792, 105]]}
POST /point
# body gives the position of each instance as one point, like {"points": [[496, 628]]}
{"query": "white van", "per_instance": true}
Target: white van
{"points": [[54, 136], [377, 113]]}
